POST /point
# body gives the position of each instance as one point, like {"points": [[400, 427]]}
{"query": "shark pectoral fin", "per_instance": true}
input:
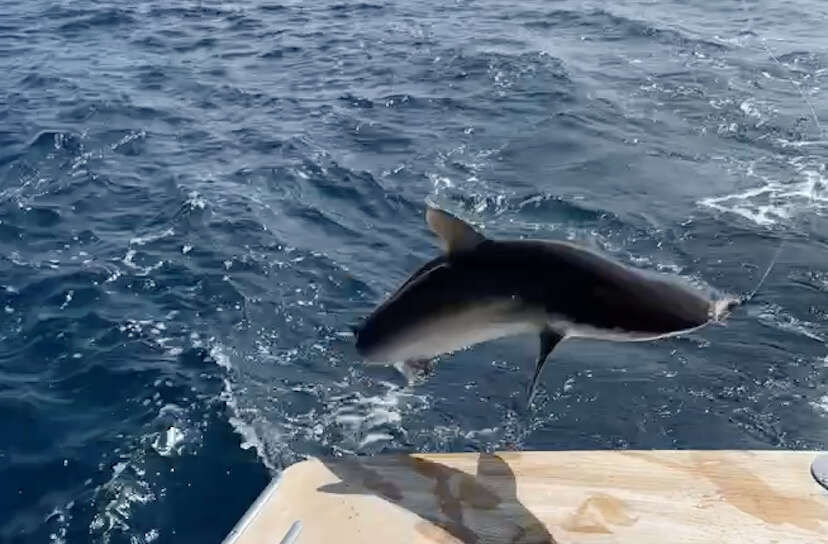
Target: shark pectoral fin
{"points": [[548, 340], [455, 233]]}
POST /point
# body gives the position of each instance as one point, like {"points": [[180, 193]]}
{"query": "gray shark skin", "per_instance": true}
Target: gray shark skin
{"points": [[481, 289]]}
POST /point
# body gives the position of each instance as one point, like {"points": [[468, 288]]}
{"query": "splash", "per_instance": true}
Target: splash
{"points": [[169, 442], [372, 419]]}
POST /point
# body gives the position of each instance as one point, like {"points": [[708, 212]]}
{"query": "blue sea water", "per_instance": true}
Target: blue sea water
{"points": [[198, 197]]}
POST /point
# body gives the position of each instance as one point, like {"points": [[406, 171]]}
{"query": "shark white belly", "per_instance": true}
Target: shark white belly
{"points": [[455, 330]]}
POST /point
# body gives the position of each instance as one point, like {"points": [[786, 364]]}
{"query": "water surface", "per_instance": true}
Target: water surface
{"points": [[196, 200]]}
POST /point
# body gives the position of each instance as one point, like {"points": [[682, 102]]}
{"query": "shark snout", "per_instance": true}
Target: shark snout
{"points": [[367, 339]]}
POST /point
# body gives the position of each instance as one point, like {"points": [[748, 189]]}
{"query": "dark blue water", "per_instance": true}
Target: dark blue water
{"points": [[196, 198]]}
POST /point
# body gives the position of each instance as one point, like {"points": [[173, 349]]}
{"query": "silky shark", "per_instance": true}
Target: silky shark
{"points": [[481, 289]]}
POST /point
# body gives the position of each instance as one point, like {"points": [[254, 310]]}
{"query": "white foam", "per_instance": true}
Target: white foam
{"points": [[142, 271], [125, 489], [801, 143], [147, 238], [440, 182], [62, 517], [131, 485], [350, 413], [113, 276], [370, 438], [131, 137], [750, 109], [362, 411], [69, 295], [196, 201], [221, 359], [775, 200], [367, 419], [821, 404], [775, 316], [487, 432], [242, 421]]}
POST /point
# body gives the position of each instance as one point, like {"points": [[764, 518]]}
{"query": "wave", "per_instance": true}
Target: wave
{"points": [[611, 27], [93, 20], [197, 199]]}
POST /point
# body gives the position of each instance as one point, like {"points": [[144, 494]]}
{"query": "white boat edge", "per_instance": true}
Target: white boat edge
{"points": [[255, 509]]}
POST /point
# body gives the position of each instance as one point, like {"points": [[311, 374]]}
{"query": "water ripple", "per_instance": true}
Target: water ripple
{"points": [[196, 200]]}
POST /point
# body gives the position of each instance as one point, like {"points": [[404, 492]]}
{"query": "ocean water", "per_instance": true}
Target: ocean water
{"points": [[198, 197]]}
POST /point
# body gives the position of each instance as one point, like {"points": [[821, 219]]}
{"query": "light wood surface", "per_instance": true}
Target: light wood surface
{"points": [[562, 497]]}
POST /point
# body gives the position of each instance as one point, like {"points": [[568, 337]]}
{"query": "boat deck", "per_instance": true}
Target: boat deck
{"points": [[560, 497]]}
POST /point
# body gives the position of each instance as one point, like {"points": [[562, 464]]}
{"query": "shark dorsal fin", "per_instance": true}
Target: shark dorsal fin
{"points": [[456, 234]]}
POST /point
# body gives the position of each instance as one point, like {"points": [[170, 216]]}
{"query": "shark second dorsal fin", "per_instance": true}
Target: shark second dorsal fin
{"points": [[456, 234]]}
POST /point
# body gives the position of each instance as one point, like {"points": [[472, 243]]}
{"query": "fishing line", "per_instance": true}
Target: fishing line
{"points": [[747, 298], [798, 88]]}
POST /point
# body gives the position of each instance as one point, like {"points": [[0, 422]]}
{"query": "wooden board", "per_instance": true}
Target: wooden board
{"points": [[551, 497]]}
